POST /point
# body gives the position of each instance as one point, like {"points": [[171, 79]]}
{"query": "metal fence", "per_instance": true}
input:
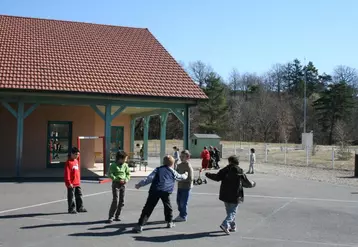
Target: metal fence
{"points": [[329, 157]]}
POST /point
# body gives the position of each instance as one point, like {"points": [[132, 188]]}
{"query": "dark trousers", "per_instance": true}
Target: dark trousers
{"points": [[118, 192], [152, 201], [74, 199]]}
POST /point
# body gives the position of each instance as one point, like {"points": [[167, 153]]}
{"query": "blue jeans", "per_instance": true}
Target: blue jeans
{"points": [[182, 201], [230, 220]]}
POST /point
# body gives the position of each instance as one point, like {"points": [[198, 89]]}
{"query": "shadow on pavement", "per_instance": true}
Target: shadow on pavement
{"points": [[121, 229], [13, 216], [168, 238], [66, 224]]}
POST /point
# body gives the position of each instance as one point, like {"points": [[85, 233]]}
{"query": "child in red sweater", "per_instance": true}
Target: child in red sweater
{"points": [[205, 155], [73, 182]]}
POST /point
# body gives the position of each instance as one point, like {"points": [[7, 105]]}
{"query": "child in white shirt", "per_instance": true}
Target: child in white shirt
{"points": [[252, 161]]}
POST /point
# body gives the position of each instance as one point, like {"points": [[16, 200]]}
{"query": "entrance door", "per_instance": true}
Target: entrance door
{"points": [[117, 134], [59, 140]]}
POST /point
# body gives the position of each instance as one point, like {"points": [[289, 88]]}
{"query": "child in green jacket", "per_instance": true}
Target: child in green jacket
{"points": [[120, 174]]}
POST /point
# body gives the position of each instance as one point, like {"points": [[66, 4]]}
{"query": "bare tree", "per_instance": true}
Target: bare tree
{"points": [[347, 74], [285, 121], [199, 72], [234, 81], [276, 78], [265, 108]]}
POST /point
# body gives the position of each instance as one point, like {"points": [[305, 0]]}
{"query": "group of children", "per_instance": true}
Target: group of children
{"points": [[210, 158], [162, 180]]}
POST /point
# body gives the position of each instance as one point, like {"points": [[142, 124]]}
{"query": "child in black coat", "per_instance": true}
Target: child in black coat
{"points": [[233, 180]]}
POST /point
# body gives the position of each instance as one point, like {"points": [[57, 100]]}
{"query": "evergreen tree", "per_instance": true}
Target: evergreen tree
{"points": [[335, 103], [294, 78], [213, 112]]}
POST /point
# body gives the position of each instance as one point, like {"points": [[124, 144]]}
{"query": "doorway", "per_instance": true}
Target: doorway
{"points": [[117, 140], [59, 143]]}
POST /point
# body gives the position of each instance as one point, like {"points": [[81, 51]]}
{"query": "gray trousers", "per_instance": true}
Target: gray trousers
{"points": [[118, 191]]}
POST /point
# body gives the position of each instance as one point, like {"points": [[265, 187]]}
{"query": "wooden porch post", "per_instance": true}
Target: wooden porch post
{"points": [[107, 134], [163, 134], [186, 128], [145, 136], [20, 116], [133, 121]]}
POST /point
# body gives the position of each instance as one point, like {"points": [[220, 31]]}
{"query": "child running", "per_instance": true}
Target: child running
{"points": [[184, 186], [233, 180], [120, 174], [163, 180], [73, 183]]}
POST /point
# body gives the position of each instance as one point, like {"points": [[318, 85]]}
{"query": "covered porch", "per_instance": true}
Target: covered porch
{"points": [[22, 106]]}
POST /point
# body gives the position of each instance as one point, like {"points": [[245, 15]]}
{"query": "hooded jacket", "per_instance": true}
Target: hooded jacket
{"points": [[233, 180]]}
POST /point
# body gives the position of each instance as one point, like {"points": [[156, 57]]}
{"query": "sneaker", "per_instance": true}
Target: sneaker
{"points": [[170, 225], [82, 210], [233, 229], [137, 229], [109, 221], [72, 212], [117, 219], [225, 229], [179, 219]]}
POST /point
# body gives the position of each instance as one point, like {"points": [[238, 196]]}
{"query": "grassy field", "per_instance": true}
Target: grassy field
{"points": [[322, 157]]}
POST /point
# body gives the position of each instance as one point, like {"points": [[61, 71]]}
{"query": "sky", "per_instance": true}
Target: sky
{"points": [[250, 35]]}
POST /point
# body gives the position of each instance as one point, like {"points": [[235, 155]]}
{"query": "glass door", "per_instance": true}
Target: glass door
{"points": [[59, 140], [117, 133]]}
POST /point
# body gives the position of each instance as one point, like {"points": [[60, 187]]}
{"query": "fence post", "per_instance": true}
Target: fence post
{"points": [[307, 153], [265, 152], [285, 150], [235, 148], [356, 164], [332, 157]]}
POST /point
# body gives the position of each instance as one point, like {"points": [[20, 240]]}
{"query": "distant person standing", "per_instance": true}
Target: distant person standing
{"points": [[217, 158], [212, 157], [205, 155], [176, 157], [252, 161]]}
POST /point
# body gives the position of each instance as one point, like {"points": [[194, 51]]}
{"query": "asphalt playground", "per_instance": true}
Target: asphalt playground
{"points": [[278, 212]]}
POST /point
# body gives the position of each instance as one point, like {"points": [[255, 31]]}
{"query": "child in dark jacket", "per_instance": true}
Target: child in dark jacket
{"points": [[163, 180], [73, 183], [233, 180]]}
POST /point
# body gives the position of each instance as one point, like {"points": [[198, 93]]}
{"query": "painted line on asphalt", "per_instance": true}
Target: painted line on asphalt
{"points": [[270, 197], [269, 216], [47, 203], [298, 241]]}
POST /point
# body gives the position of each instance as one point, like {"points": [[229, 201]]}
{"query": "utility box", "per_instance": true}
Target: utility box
{"points": [[199, 141], [307, 140]]}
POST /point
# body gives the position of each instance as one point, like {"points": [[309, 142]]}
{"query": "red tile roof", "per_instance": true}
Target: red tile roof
{"points": [[52, 55]]}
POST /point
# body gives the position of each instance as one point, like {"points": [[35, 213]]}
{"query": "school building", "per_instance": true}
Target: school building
{"points": [[63, 79]]}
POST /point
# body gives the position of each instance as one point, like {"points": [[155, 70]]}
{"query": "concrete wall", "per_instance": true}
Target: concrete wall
{"points": [[85, 122]]}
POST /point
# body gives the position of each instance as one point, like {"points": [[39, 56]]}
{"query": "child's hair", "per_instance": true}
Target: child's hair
{"points": [[252, 150], [205, 147], [234, 160], [168, 160], [175, 147], [186, 153], [121, 155], [74, 150]]}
